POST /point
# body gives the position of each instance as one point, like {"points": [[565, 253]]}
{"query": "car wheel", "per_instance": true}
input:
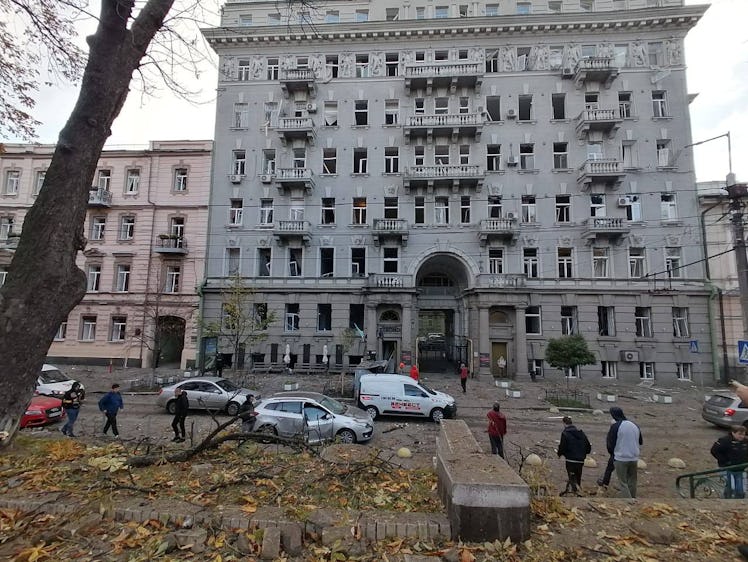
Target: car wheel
{"points": [[232, 408], [267, 430], [346, 436], [373, 412], [171, 407], [437, 414]]}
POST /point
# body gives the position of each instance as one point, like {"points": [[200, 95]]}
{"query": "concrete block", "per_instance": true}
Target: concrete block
{"points": [[606, 397], [513, 393], [271, 541], [291, 538], [330, 535]]}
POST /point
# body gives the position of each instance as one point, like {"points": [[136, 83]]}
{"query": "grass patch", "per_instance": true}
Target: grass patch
{"points": [[568, 403]]}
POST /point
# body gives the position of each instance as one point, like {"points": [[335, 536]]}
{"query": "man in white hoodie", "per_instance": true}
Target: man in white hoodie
{"points": [[624, 440]]}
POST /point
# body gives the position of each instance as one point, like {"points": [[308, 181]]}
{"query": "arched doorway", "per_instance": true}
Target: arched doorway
{"points": [[169, 341]]}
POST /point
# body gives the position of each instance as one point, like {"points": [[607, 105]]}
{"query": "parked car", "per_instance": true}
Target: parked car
{"points": [[400, 395], [206, 393], [725, 409], [313, 417], [53, 382], [42, 410]]}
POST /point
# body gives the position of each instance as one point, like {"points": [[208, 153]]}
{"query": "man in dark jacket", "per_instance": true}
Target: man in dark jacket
{"points": [[181, 405], [496, 430], [624, 441], [111, 403], [730, 451], [247, 414], [71, 401], [575, 447]]}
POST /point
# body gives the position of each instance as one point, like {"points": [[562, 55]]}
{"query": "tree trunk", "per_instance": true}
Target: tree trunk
{"points": [[44, 283]]}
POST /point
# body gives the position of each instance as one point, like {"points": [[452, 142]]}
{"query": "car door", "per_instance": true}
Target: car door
{"points": [[289, 418], [195, 396], [215, 396], [415, 401], [319, 423]]}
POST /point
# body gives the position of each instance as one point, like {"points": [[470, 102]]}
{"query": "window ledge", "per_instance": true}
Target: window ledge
{"points": [[360, 126], [527, 121], [392, 126], [495, 171], [560, 120], [238, 128], [392, 174], [671, 222], [663, 118], [359, 175], [533, 171], [666, 168], [329, 175], [354, 225], [562, 170]]}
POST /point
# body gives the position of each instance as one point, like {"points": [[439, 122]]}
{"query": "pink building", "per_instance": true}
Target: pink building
{"points": [[144, 261]]}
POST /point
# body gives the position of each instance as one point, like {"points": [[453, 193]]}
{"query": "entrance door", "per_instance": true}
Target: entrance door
{"points": [[499, 350]]}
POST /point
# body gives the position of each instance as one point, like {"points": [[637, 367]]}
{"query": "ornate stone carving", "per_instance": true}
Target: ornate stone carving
{"points": [[673, 52], [508, 59], [376, 65], [572, 54], [673, 240], [636, 240], [638, 51], [347, 65], [565, 240], [257, 68], [540, 58], [390, 190]]}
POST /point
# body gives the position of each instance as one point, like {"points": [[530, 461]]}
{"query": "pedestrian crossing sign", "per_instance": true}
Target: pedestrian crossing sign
{"points": [[693, 346], [743, 352]]}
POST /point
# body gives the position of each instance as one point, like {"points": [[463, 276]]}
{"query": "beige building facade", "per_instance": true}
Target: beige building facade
{"points": [[144, 259]]}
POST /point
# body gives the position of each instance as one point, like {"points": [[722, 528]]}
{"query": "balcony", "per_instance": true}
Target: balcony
{"points": [[296, 128], [427, 75], [284, 231], [611, 228], [394, 228], [595, 69], [455, 175], [388, 281], [606, 121], [497, 229], [171, 245], [449, 124], [98, 197], [294, 178], [297, 80], [11, 242], [605, 171]]}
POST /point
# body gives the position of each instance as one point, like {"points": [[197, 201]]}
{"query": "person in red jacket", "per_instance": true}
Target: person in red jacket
{"points": [[496, 430], [463, 377], [414, 374]]}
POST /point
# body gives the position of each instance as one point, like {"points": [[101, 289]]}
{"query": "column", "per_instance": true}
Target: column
{"points": [[407, 342], [520, 342], [372, 338], [483, 342]]}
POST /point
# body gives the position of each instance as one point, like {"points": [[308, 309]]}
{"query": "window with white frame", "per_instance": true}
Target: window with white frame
{"points": [[600, 262], [241, 115], [637, 263], [625, 105], [530, 263], [533, 324], [418, 155], [529, 211], [633, 207], [643, 321], [274, 19], [324, 317], [390, 259], [463, 105], [684, 371], [3, 274], [326, 262], [563, 208], [245, 19], [606, 321], [493, 157], [441, 12], [663, 153], [239, 165], [270, 109], [266, 212], [680, 322], [586, 5], [359, 210], [525, 112], [119, 328], [609, 369], [332, 67], [40, 177], [392, 64], [296, 210], [6, 227], [172, 278], [12, 181], [565, 262], [419, 210], [104, 180], [492, 9], [527, 156], [646, 370], [391, 208], [597, 205], [524, 8], [441, 210], [362, 16], [88, 328], [299, 158], [122, 281], [560, 155], [464, 154], [391, 160], [441, 106], [232, 262], [420, 13], [362, 66], [554, 6], [243, 70], [176, 230], [659, 104], [391, 112], [558, 108], [62, 330], [332, 16], [496, 261], [328, 210], [127, 228], [361, 113], [132, 182], [568, 320], [180, 179], [358, 262], [93, 275], [668, 206], [264, 260], [268, 161], [629, 154], [329, 160], [441, 155], [536, 366], [97, 227], [236, 212], [673, 262], [291, 323], [360, 161], [465, 206], [495, 210]]}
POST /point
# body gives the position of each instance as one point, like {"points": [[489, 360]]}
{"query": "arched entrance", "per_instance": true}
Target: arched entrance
{"points": [[169, 340]]}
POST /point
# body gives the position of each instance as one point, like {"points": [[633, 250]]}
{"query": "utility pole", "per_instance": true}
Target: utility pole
{"points": [[737, 192]]}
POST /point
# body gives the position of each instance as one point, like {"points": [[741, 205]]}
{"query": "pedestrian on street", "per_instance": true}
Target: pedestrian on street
{"points": [[414, 374], [732, 450], [181, 406], [71, 402], [575, 447], [742, 391], [463, 377], [111, 403], [604, 480], [624, 441], [247, 414], [496, 429], [400, 368], [219, 365]]}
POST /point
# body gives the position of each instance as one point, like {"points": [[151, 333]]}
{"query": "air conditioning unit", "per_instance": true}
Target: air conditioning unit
{"points": [[512, 161], [511, 113], [630, 356], [623, 201], [567, 72], [266, 178], [511, 216], [311, 107], [235, 178]]}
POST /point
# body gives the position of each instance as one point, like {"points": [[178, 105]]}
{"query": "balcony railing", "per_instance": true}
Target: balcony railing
{"points": [[454, 124], [595, 69], [608, 171], [456, 174], [603, 120], [296, 128], [297, 79], [497, 228], [389, 281], [451, 74], [390, 228], [98, 197], [287, 229], [169, 244], [294, 177], [610, 227]]}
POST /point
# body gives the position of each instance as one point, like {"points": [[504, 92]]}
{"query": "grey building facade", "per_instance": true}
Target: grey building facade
{"points": [[469, 180]]}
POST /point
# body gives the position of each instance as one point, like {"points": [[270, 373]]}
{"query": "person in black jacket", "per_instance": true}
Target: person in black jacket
{"points": [[730, 451], [575, 447], [181, 405], [247, 414]]}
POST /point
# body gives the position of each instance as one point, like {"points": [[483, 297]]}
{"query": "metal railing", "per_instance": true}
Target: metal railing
{"points": [[705, 484]]}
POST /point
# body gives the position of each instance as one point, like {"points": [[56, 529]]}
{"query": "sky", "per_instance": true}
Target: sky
{"points": [[716, 55]]}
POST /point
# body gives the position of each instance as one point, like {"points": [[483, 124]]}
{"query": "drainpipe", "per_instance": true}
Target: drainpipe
{"points": [[146, 293], [470, 355], [725, 362], [713, 290]]}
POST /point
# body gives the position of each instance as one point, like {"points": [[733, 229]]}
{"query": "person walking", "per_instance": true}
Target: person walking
{"points": [[575, 447], [71, 402], [732, 450], [624, 441], [414, 374], [181, 406], [742, 391], [247, 414], [219, 364], [604, 480], [111, 403], [463, 377], [496, 429]]}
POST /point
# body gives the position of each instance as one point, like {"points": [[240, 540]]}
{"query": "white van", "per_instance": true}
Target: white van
{"points": [[399, 395]]}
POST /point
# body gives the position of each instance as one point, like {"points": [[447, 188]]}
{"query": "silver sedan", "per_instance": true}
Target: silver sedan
{"points": [[207, 393]]}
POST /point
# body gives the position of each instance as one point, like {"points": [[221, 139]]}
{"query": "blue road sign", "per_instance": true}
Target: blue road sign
{"points": [[743, 352], [693, 346]]}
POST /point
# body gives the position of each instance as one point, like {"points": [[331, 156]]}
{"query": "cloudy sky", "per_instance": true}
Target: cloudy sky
{"points": [[716, 54]]}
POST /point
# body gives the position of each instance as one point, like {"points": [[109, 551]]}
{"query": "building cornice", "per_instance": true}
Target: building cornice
{"points": [[672, 18]]}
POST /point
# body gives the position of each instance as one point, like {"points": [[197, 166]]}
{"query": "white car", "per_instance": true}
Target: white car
{"points": [[53, 382]]}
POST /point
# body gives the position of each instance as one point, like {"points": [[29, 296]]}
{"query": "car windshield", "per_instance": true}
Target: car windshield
{"points": [[55, 375], [427, 389], [333, 405], [227, 385]]}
